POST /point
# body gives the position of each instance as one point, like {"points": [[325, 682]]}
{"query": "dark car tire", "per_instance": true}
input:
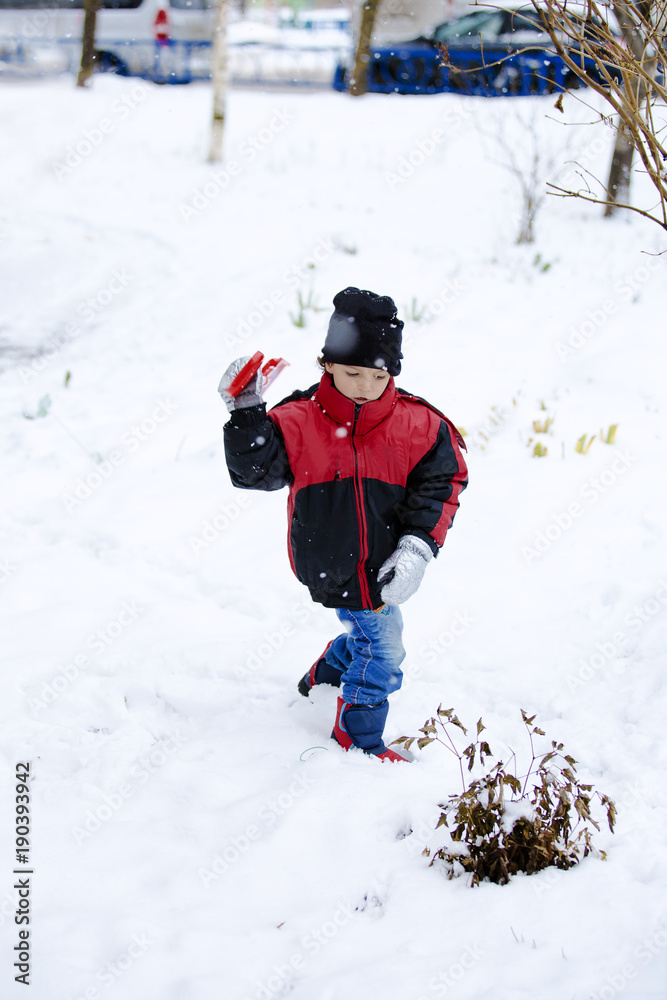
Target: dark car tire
{"points": [[109, 62]]}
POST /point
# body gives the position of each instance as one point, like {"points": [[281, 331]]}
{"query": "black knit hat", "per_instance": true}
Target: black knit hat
{"points": [[364, 331]]}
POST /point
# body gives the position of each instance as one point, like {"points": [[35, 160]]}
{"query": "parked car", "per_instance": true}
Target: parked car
{"points": [[46, 34], [490, 51]]}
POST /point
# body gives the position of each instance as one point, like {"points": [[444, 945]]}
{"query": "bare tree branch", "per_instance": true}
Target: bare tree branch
{"points": [[623, 71], [559, 192]]}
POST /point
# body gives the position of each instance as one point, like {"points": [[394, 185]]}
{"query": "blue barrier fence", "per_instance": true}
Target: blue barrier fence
{"points": [[176, 62], [403, 70], [491, 74], [173, 62]]}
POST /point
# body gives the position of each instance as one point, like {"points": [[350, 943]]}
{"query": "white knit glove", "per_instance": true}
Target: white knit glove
{"points": [[250, 396], [404, 570]]}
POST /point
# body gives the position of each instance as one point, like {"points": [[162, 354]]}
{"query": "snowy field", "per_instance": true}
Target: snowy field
{"points": [[153, 634]]}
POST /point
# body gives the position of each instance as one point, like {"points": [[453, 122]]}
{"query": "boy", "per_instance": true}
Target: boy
{"points": [[375, 475]]}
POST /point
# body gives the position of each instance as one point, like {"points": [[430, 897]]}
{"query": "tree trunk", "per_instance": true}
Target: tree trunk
{"points": [[618, 182], [91, 8], [219, 73], [358, 80]]}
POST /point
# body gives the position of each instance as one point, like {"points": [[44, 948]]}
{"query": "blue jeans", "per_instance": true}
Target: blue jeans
{"points": [[369, 654]]}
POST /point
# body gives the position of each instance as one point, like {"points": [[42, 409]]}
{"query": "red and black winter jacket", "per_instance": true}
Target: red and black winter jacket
{"points": [[360, 476]]}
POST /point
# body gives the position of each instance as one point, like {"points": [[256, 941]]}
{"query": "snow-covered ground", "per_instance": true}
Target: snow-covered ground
{"points": [[153, 634]]}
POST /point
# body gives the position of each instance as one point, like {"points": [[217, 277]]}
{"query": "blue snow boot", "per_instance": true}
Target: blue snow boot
{"points": [[321, 672], [362, 726]]}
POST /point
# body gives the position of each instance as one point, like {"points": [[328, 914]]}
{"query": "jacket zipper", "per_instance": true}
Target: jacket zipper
{"points": [[361, 516]]}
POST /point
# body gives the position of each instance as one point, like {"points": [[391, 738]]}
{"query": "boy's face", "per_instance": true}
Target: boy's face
{"points": [[359, 384]]}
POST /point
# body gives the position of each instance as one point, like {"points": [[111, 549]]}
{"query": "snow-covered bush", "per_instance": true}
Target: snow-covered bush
{"points": [[501, 824]]}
